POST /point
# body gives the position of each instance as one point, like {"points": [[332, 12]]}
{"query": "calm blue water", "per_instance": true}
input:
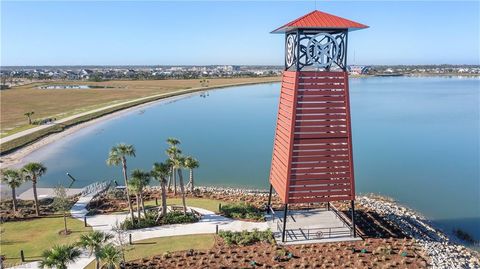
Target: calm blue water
{"points": [[415, 139]]}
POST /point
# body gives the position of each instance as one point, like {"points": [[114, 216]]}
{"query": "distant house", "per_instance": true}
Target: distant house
{"points": [[85, 73]]}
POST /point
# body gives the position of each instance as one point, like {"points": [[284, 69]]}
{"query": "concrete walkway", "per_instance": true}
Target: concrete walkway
{"points": [[105, 223]]}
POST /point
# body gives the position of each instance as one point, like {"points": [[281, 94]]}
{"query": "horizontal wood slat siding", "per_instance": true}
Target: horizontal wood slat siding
{"points": [[312, 157], [281, 157]]}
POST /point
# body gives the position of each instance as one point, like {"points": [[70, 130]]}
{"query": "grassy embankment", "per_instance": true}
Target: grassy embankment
{"points": [[36, 235], [63, 103]]}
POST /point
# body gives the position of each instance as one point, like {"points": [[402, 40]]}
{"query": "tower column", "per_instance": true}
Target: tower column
{"points": [[284, 222], [353, 219]]}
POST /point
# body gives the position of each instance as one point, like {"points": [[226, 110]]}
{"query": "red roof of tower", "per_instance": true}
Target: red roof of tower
{"points": [[317, 19]]}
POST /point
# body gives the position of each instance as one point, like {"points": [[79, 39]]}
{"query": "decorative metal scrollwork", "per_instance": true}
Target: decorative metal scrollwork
{"points": [[290, 50], [322, 50]]}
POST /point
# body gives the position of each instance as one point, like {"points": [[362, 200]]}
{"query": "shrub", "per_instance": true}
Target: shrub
{"points": [[116, 194], [242, 211], [176, 217], [150, 220], [245, 238]]}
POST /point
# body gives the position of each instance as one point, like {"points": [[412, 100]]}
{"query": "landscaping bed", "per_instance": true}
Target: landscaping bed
{"points": [[151, 219], [372, 253], [26, 209], [243, 211], [109, 203]]}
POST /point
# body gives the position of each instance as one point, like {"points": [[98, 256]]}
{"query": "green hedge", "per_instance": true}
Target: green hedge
{"points": [[245, 238], [243, 211], [150, 220]]}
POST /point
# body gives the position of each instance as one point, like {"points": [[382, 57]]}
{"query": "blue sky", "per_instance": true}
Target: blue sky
{"points": [[197, 33]]}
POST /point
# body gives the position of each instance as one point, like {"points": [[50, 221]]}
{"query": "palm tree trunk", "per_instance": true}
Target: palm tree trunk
{"points": [[164, 198], [65, 222], [130, 206], [138, 206], [35, 197], [169, 182], [191, 181], [97, 262], [143, 205], [182, 190], [14, 200], [175, 181]]}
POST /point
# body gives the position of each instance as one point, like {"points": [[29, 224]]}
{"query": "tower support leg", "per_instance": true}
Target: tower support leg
{"points": [[269, 199], [353, 219], [284, 222]]}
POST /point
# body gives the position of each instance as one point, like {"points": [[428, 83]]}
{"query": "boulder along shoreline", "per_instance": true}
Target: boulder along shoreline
{"points": [[442, 251]]}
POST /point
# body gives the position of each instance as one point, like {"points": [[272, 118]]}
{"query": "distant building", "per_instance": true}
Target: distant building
{"points": [[358, 69]]}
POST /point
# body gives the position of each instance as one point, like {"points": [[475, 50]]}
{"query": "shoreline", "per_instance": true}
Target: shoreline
{"points": [[17, 155], [443, 250]]}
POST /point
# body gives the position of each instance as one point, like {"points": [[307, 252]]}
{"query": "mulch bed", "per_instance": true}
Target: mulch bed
{"points": [[26, 209], [385, 246], [377, 253]]}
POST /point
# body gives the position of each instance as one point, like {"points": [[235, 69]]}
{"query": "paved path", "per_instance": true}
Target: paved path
{"points": [[105, 223], [155, 96], [41, 127]]}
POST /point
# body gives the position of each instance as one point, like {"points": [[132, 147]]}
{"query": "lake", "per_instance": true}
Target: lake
{"points": [[416, 139]]}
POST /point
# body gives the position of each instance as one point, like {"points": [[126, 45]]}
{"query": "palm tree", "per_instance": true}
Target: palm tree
{"points": [[33, 172], [191, 163], [110, 256], [13, 178], [29, 116], [138, 181], [94, 241], [172, 152], [160, 172], [178, 163], [118, 156], [59, 256]]}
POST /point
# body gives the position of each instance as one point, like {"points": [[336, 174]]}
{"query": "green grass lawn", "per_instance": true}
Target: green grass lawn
{"points": [[160, 245], [208, 204], [36, 235]]}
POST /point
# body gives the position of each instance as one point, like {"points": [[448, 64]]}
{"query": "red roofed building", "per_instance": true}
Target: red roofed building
{"points": [[312, 158], [320, 20]]}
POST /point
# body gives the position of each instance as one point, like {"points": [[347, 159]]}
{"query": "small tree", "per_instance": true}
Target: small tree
{"points": [[29, 116], [94, 241], [118, 156], [61, 203], [33, 172], [138, 181], [59, 256], [120, 238], [179, 164], [191, 163], [110, 256], [13, 178], [160, 172], [172, 152]]}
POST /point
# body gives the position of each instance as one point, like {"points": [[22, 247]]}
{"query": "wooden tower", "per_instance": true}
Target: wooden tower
{"points": [[312, 154]]}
